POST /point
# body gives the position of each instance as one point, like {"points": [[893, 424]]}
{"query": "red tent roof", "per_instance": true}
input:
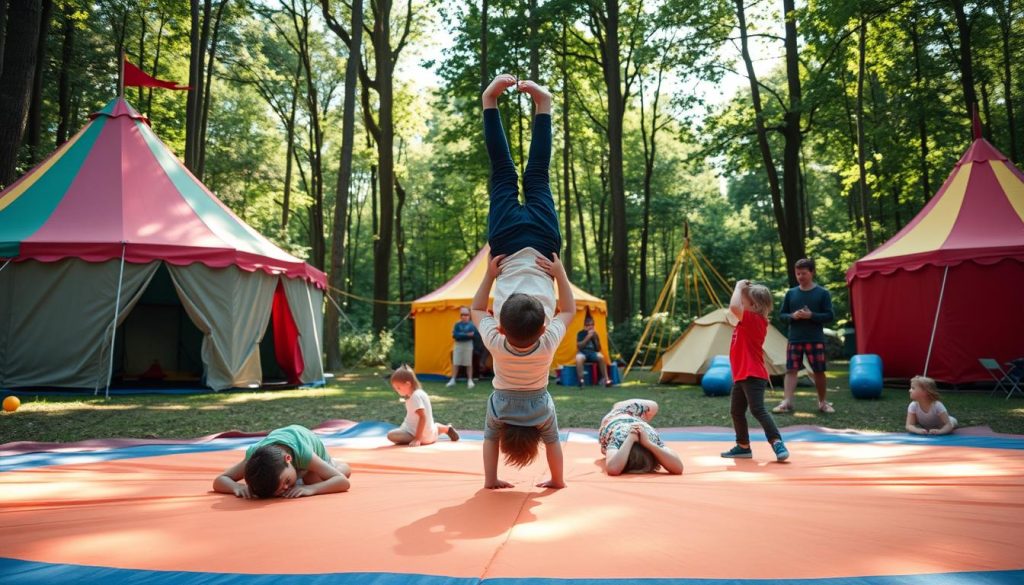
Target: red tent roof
{"points": [[977, 215], [115, 186]]}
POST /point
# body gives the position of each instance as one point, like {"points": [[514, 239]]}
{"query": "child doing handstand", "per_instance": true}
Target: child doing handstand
{"points": [[274, 466], [524, 241], [419, 427]]}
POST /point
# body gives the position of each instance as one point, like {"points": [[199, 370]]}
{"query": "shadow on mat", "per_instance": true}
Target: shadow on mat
{"points": [[487, 514]]}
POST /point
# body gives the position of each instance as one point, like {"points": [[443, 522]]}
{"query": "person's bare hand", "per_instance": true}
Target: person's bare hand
{"points": [[298, 491], [494, 266], [551, 484], [498, 484], [242, 491], [552, 267]]}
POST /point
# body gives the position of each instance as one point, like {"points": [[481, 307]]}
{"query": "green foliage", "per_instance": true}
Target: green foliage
{"points": [[365, 348]]}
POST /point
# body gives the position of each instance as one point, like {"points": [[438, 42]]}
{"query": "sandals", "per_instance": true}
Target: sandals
{"points": [[783, 408], [826, 407]]}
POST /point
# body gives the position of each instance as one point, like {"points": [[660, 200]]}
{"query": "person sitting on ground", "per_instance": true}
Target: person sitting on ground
{"points": [[588, 346], [462, 354], [290, 462], [419, 427], [926, 415], [630, 444], [524, 241]]}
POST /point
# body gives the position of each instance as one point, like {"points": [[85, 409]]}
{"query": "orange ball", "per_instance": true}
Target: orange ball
{"points": [[11, 403]]}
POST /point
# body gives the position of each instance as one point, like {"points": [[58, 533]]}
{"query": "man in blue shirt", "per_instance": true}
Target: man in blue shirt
{"points": [[462, 355], [806, 308]]}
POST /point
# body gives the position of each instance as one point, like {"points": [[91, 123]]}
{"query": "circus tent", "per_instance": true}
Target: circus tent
{"points": [[436, 313], [96, 228], [946, 289]]}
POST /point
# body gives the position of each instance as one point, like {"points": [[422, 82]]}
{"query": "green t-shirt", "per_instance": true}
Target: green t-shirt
{"points": [[302, 441]]}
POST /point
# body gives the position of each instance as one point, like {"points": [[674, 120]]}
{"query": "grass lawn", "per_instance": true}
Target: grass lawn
{"points": [[364, 395]]}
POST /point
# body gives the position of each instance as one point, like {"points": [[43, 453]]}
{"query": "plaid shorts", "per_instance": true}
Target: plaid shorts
{"points": [[814, 350]]}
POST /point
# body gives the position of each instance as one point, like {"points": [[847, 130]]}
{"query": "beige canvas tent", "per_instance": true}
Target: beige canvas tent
{"points": [[688, 358]]}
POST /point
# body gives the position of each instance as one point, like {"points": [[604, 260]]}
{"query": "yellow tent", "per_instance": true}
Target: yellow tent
{"points": [[436, 313], [688, 358]]}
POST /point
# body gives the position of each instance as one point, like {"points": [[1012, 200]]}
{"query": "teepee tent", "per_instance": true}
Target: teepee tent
{"points": [[116, 261], [946, 289], [436, 313], [689, 357]]}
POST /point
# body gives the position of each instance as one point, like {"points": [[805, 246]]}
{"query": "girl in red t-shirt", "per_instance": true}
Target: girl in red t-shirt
{"points": [[751, 304]]}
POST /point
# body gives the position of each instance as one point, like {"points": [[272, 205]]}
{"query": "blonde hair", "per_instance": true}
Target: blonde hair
{"points": [[760, 299], [927, 384], [405, 374]]}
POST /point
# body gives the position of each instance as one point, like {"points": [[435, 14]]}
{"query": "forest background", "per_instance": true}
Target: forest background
{"points": [[349, 132]]}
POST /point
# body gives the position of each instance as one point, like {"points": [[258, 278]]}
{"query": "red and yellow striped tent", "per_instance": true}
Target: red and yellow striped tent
{"points": [[436, 313], [84, 234], [946, 290]]}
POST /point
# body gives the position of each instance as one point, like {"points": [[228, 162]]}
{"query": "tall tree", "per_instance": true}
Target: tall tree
{"points": [[383, 130], [336, 276], [865, 194], [16, 77], [964, 59], [35, 112]]}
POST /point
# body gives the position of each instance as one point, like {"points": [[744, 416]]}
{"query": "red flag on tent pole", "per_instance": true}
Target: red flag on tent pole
{"points": [[135, 77]]}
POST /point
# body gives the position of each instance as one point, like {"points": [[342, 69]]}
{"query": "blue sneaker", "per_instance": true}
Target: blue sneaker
{"points": [[738, 452], [781, 452]]}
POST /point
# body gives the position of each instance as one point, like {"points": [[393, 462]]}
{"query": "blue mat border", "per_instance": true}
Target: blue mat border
{"points": [[17, 572], [373, 429]]}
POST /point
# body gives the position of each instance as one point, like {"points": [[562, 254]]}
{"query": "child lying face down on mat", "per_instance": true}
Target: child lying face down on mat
{"points": [[926, 415], [419, 427], [524, 241], [274, 466], [629, 442]]}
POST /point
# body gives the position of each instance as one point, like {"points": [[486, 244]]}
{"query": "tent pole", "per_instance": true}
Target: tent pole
{"points": [[935, 324], [316, 336], [113, 329]]}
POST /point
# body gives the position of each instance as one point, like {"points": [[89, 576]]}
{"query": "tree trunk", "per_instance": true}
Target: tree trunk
{"points": [[35, 112], [566, 146], [762, 133], [794, 234], [583, 226], [650, 153], [400, 238], [64, 77], [142, 47], [611, 58], [19, 64], [484, 75], [922, 128], [208, 92], [386, 157], [963, 30], [869, 238], [3, 31], [1005, 28], [985, 109], [156, 59], [199, 35], [342, 217], [286, 202]]}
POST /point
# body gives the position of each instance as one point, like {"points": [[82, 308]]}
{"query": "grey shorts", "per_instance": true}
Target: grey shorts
{"points": [[462, 355], [523, 408]]}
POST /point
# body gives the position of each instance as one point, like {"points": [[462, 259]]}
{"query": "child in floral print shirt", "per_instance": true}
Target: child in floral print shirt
{"points": [[630, 444]]}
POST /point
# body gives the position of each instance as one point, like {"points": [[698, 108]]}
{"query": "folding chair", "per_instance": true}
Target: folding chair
{"points": [[1004, 381]]}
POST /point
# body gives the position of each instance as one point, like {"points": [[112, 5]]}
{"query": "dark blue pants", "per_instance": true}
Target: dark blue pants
{"points": [[749, 393], [511, 226]]}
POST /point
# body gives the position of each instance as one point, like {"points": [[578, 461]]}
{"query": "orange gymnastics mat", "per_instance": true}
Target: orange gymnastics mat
{"points": [[849, 508]]}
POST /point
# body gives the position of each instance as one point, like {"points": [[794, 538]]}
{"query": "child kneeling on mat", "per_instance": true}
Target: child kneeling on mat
{"points": [[926, 415], [419, 427], [525, 241], [291, 462]]}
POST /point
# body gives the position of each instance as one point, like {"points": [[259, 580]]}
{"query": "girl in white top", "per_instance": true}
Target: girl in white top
{"points": [[926, 415], [419, 427]]}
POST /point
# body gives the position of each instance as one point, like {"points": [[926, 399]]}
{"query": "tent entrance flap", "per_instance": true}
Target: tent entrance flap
{"points": [[157, 343]]}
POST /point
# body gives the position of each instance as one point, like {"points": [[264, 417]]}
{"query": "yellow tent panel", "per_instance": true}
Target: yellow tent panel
{"points": [[689, 357], [436, 313]]}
